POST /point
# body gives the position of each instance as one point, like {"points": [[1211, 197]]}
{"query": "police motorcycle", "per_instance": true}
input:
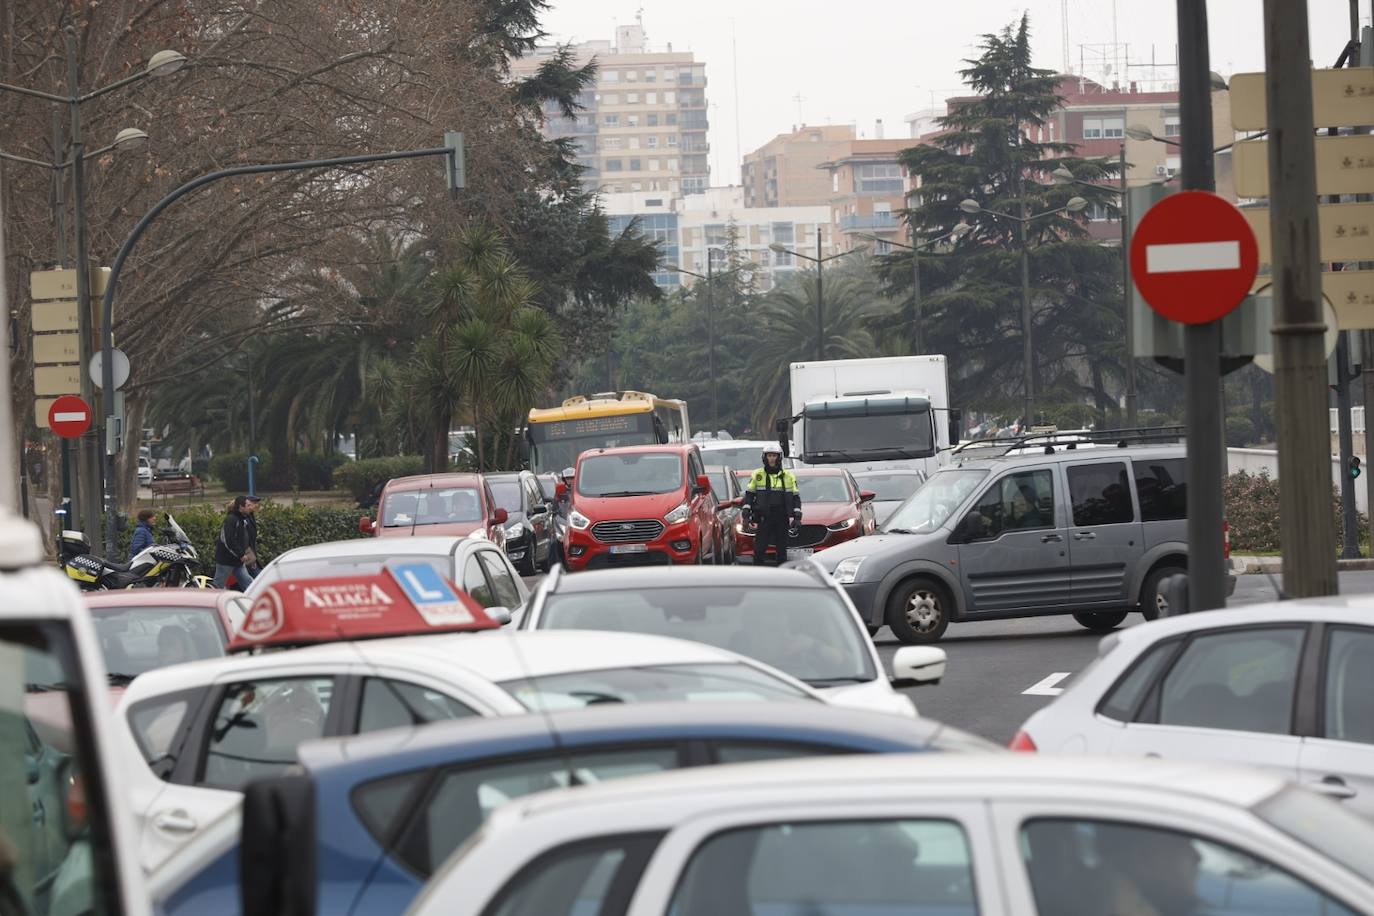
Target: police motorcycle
{"points": [[166, 565]]}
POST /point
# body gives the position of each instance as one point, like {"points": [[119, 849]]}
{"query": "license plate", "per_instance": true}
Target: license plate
{"points": [[799, 553], [630, 548]]}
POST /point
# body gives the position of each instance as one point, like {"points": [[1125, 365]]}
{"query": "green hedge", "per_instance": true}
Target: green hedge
{"points": [[1252, 509], [280, 528], [360, 478], [313, 471]]}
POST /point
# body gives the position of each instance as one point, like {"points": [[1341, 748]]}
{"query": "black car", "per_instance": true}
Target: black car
{"points": [[529, 527]]}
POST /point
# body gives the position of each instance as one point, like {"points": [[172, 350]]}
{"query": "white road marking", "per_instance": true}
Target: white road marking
{"points": [[1047, 688], [1190, 256], [69, 416]]}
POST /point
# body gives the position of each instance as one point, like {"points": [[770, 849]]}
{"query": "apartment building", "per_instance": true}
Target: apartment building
{"points": [[643, 127], [868, 191], [784, 171]]}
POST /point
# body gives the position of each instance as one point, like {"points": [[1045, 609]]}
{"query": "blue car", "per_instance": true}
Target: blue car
{"points": [[365, 820]]}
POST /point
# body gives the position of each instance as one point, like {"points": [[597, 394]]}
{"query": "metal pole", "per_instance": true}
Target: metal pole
{"points": [[1305, 531], [253, 410], [917, 334], [1367, 347], [711, 338], [9, 449], [59, 190], [820, 299], [88, 474], [1350, 548], [1131, 392], [1028, 382], [1202, 342]]}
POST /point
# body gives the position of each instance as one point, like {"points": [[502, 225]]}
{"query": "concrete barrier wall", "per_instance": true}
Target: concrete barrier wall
{"points": [[1254, 460]]}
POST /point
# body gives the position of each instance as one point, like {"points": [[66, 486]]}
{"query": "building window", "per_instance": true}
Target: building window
{"points": [[1171, 126], [653, 165], [654, 201], [1113, 128], [632, 120], [878, 178], [610, 76], [632, 98], [669, 75], [651, 120], [670, 98], [611, 143], [651, 98], [611, 121], [1092, 128], [672, 141], [635, 165], [1097, 212], [634, 141], [694, 185], [631, 76], [613, 165], [815, 136], [784, 233], [651, 142], [672, 165], [636, 186], [716, 234], [610, 98], [835, 182], [670, 119], [650, 76]]}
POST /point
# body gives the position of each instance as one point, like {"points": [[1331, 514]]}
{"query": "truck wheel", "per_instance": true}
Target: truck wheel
{"points": [[918, 611], [1153, 604], [1100, 621]]}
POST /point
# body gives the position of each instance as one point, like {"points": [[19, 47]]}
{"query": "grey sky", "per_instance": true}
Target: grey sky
{"points": [[857, 62]]}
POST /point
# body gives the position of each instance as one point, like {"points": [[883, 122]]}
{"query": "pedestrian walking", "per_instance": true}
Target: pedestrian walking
{"points": [[143, 533], [236, 546]]}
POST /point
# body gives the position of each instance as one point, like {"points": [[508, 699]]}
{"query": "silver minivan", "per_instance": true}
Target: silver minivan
{"points": [[1088, 527]]}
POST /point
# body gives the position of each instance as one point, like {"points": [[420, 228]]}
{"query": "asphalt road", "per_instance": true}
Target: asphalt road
{"points": [[992, 664]]}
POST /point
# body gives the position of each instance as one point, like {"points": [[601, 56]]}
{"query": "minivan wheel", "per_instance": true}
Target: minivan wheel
{"points": [[918, 611], [1100, 621], [1153, 604]]}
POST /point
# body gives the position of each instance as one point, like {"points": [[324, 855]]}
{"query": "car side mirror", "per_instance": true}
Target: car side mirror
{"points": [[501, 615], [956, 425], [703, 484], [539, 509], [867, 496], [366, 525], [500, 516], [560, 489], [914, 666]]}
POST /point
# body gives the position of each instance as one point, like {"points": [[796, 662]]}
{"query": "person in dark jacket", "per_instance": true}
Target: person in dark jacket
{"points": [[235, 548], [143, 533]]}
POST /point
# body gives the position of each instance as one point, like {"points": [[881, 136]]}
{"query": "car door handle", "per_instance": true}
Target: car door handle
{"points": [[1333, 787], [1084, 535], [1051, 537], [175, 822]]}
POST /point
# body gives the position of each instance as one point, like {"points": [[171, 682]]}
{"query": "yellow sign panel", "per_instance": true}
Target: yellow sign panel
{"points": [[1340, 98], [1346, 231], [40, 411], [56, 380], [56, 348], [1345, 165], [1352, 293], [54, 316], [61, 284]]}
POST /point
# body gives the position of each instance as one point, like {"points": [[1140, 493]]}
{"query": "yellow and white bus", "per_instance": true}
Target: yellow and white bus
{"points": [[557, 435]]}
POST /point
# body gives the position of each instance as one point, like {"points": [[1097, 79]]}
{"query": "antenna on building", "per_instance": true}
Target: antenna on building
{"points": [[1064, 34], [798, 98]]}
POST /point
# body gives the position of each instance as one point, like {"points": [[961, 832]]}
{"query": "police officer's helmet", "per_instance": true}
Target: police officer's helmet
{"points": [[771, 450]]}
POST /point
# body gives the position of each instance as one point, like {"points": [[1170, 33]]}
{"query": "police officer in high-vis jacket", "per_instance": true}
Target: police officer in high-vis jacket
{"points": [[772, 500]]}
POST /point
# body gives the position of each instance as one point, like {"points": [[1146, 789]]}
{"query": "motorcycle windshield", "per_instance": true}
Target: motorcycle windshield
{"points": [[176, 530]]}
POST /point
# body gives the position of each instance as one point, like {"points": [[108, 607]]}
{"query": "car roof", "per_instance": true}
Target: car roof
{"points": [[451, 741], [507, 475], [889, 472], [426, 481], [154, 597], [495, 656], [1037, 455], [714, 444], [421, 545], [677, 448], [818, 472], [649, 577], [1339, 609]]}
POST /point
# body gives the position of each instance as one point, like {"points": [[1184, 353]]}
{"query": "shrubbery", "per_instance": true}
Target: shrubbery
{"points": [[1252, 509], [313, 471], [360, 478], [280, 528]]}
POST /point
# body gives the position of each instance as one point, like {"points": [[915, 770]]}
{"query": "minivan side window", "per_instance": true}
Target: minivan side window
{"points": [[1162, 484], [1020, 501], [1101, 494]]}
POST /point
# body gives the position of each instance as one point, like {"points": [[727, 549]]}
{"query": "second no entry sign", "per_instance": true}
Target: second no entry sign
{"points": [[1194, 257]]}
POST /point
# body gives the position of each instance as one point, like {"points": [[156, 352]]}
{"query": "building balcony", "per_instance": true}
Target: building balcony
{"points": [[870, 221]]}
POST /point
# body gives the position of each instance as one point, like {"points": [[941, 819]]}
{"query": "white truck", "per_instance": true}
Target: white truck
{"points": [[872, 414]]}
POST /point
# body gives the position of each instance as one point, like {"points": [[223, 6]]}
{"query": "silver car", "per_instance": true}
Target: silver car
{"points": [[1086, 527]]}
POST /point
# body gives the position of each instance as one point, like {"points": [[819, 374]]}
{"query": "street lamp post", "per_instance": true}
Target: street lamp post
{"points": [[917, 335], [820, 261], [1074, 205], [162, 63], [710, 278]]}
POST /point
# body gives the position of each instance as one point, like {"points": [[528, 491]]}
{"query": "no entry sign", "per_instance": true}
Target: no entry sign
{"points": [[1194, 257], [69, 416]]}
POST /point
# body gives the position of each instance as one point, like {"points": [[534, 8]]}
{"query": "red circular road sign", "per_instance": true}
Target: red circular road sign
{"points": [[69, 416], [1194, 257]]}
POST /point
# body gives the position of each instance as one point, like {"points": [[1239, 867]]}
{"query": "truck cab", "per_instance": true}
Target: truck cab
{"points": [[66, 845]]}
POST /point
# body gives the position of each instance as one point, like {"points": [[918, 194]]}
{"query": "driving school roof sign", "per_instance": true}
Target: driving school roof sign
{"points": [[302, 611]]}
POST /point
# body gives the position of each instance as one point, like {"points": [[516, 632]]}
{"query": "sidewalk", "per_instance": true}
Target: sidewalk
{"points": [[1242, 566]]}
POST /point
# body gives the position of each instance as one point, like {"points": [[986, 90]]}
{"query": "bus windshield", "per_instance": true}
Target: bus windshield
{"points": [[555, 445]]}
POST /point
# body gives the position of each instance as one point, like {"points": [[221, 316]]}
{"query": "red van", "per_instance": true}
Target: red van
{"points": [[455, 504], [642, 505]]}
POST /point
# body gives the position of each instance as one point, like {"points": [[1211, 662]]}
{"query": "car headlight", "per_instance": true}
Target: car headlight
{"points": [[678, 515], [578, 520], [848, 570], [515, 529], [844, 525]]}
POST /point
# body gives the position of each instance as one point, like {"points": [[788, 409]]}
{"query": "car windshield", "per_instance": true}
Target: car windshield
{"points": [[330, 567], [934, 501], [507, 494], [719, 682], [806, 632], [744, 456], [828, 489], [889, 487], [408, 508], [138, 639], [631, 474]]}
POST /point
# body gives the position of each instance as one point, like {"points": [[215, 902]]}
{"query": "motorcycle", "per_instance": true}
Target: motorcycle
{"points": [[160, 565]]}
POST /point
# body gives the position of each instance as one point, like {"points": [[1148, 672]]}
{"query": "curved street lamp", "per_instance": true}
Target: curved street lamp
{"points": [[820, 262], [959, 231], [710, 278]]}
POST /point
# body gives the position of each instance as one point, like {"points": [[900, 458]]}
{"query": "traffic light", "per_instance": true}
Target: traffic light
{"points": [[1354, 467]]}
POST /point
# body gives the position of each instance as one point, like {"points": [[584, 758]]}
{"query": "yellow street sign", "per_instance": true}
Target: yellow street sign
{"points": [[49, 349], [1345, 165], [56, 380], [1346, 231], [1340, 98], [59, 315], [1352, 292], [61, 284]]}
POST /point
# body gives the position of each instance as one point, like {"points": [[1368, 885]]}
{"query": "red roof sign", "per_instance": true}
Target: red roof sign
{"points": [[404, 601]]}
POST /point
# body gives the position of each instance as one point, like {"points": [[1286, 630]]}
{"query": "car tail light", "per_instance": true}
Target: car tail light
{"points": [[1226, 539], [76, 805], [1022, 742]]}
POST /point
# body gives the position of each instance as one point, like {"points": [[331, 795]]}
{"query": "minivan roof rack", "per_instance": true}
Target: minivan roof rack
{"points": [[1069, 440]]}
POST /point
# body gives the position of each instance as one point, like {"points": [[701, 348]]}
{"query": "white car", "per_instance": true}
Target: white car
{"points": [[145, 471], [929, 835], [1288, 687], [740, 454], [189, 737], [795, 619], [475, 565]]}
